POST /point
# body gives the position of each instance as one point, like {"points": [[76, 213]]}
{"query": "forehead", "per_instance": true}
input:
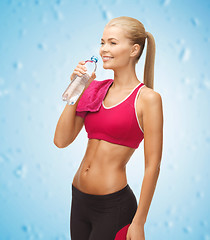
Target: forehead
{"points": [[113, 32]]}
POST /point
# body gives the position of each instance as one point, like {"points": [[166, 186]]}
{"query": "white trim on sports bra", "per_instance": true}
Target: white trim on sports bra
{"points": [[122, 100], [135, 107]]}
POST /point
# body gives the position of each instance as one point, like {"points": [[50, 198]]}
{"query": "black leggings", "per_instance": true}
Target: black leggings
{"points": [[101, 217]]}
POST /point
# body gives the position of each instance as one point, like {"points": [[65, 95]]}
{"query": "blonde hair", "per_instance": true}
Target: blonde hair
{"points": [[135, 32]]}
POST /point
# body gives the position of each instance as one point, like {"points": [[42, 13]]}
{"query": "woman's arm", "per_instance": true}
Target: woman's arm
{"points": [[69, 124], [153, 141], [65, 129]]}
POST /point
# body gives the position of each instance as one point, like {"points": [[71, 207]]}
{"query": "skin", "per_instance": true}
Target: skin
{"points": [[106, 161]]}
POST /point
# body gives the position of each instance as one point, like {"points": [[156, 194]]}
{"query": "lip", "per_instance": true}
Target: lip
{"points": [[106, 58]]}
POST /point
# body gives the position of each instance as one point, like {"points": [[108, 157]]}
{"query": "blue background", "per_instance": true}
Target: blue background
{"points": [[41, 43]]}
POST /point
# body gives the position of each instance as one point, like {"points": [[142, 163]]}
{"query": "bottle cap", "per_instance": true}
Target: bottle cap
{"points": [[94, 59]]}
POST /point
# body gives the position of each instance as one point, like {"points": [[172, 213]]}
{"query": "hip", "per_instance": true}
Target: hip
{"points": [[106, 216], [124, 198]]}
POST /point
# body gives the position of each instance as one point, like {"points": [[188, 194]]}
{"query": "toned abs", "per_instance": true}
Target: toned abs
{"points": [[103, 168]]}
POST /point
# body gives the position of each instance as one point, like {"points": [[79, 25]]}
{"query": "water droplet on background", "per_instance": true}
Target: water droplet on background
{"points": [[185, 54], [187, 229], [18, 65], [195, 22], [21, 171]]}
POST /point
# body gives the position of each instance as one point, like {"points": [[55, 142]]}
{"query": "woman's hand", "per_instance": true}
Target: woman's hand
{"points": [[92, 77], [80, 70], [135, 232]]}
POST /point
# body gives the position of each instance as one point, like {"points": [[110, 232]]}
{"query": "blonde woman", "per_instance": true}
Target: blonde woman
{"points": [[118, 114]]}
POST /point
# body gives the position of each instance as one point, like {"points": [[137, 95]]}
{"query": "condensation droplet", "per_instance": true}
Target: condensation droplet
{"points": [[18, 65], [206, 83], [105, 13], [58, 14], [165, 2], [4, 92], [22, 32], [31, 232], [200, 194], [26, 228], [21, 86], [185, 55], [187, 229], [21, 171], [37, 2], [4, 158], [18, 150], [208, 139], [169, 224], [195, 21], [186, 81], [204, 223], [171, 211], [206, 237], [42, 46], [58, 2]]}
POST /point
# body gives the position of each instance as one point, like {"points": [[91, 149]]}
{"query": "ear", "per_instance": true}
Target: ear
{"points": [[135, 50]]}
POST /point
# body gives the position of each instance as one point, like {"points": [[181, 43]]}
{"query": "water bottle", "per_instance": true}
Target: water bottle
{"points": [[77, 85]]}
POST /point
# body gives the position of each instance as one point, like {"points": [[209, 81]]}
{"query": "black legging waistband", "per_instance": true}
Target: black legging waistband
{"points": [[111, 196]]}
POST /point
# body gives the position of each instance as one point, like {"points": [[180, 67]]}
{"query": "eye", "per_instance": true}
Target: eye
{"points": [[113, 43], [102, 43]]}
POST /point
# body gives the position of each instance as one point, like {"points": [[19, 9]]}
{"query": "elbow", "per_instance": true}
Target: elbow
{"points": [[57, 144], [60, 144]]}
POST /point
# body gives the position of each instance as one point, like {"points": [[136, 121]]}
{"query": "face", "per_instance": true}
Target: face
{"points": [[115, 48]]}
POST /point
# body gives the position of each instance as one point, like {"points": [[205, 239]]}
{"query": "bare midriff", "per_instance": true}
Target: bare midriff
{"points": [[103, 168]]}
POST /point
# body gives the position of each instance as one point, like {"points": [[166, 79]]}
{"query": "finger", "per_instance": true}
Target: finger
{"points": [[93, 75], [80, 70], [82, 62], [78, 73], [81, 67]]}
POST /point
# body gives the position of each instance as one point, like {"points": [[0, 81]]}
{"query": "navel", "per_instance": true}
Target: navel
{"points": [[87, 168]]}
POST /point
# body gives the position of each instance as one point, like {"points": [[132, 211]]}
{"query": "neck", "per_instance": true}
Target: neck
{"points": [[125, 78]]}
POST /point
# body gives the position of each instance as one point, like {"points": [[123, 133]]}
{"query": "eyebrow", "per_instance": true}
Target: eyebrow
{"points": [[109, 39]]}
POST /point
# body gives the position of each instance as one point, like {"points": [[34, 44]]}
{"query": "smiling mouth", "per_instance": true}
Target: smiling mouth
{"points": [[106, 58]]}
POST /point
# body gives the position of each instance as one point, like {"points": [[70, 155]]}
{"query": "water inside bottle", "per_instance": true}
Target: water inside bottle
{"points": [[77, 86]]}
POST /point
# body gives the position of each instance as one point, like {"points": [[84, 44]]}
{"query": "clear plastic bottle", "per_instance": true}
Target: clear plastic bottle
{"points": [[77, 85]]}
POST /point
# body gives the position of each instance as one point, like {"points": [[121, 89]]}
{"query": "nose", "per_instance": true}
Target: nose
{"points": [[104, 48]]}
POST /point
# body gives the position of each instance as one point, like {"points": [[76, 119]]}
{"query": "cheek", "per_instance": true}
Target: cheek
{"points": [[122, 55], [122, 52]]}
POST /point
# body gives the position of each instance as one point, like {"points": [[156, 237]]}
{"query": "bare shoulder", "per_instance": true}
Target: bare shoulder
{"points": [[150, 98], [152, 112]]}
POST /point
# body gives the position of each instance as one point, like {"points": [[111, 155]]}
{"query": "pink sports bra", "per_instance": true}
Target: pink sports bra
{"points": [[118, 124]]}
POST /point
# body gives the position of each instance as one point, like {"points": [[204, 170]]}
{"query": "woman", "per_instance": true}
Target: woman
{"points": [[103, 205]]}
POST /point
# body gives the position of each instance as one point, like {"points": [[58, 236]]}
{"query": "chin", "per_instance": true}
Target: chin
{"points": [[107, 66]]}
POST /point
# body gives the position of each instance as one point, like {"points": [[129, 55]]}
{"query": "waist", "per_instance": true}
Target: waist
{"points": [[113, 195], [99, 181]]}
